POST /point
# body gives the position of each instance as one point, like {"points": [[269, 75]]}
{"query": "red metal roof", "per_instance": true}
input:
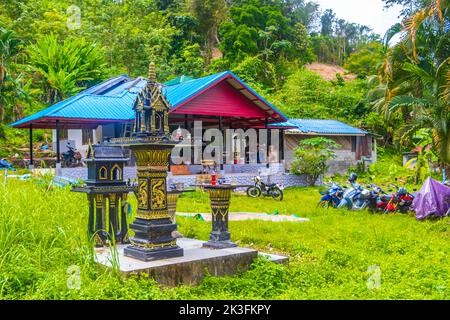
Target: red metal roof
{"points": [[221, 100]]}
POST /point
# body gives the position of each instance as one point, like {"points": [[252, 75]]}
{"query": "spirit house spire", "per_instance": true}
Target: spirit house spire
{"points": [[152, 70], [151, 107]]}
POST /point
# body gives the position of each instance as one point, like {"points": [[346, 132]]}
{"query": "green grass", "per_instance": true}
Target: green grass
{"points": [[43, 233]]}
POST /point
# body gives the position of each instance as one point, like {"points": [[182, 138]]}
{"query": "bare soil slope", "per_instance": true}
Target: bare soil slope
{"points": [[328, 71]]}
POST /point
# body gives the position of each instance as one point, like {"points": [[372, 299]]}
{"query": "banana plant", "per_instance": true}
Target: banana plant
{"points": [[425, 156]]}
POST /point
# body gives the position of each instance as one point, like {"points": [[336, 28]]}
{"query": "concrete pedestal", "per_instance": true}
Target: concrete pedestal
{"points": [[188, 269]]}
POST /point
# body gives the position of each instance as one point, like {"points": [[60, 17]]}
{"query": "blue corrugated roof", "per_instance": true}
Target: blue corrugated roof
{"points": [[319, 126], [99, 107], [113, 99], [178, 80], [178, 93]]}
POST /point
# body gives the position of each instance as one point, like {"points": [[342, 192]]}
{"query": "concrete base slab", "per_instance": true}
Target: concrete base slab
{"points": [[189, 269], [242, 216]]}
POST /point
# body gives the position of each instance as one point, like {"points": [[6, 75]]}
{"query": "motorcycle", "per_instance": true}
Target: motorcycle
{"points": [[354, 198], [71, 157], [378, 198], [267, 190], [332, 197], [401, 200]]}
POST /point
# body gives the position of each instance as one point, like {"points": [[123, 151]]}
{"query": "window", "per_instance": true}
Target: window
{"points": [[87, 136], [353, 144], [158, 121], [116, 173], [103, 173], [63, 134]]}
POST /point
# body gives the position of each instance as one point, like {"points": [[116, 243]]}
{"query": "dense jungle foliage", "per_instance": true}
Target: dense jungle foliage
{"points": [[53, 49]]}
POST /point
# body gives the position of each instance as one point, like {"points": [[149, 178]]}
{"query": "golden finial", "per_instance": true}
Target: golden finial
{"points": [[152, 69], [90, 150]]}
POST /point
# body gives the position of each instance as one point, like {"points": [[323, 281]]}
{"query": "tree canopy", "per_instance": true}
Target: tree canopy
{"points": [[52, 49]]}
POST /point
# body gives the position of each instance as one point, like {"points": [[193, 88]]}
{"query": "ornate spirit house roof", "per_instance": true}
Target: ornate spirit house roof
{"points": [[106, 154], [151, 108]]}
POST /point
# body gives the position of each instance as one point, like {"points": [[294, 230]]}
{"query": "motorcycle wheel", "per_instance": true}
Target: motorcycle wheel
{"points": [[404, 209], [67, 163], [253, 192], [277, 194], [323, 204], [360, 206]]}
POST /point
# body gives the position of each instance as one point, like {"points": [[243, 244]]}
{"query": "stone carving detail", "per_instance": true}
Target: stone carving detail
{"points": [[143, 194], [158, 200]]}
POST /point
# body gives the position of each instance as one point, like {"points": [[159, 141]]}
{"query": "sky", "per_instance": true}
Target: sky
{"points": [[367, 12]]}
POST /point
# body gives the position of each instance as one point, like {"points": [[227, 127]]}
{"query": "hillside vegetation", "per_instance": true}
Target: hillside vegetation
{"points": [[292, 52]]}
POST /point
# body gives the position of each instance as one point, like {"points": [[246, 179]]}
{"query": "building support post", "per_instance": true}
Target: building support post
{"points": [[374, 151], [221, 130], [258, 147], [268, 142], [58, 153], [31, 164]]}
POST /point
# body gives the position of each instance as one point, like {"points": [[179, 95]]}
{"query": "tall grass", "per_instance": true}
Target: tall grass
{"points": [[43, 234]]}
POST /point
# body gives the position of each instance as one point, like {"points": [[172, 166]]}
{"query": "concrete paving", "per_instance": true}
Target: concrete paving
{"points": [[189, 269]]}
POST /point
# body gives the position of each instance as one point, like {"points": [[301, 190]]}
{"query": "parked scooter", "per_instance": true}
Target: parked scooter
{"points": [[267, 190], [71, 157], [332, 197], [355, 197]]}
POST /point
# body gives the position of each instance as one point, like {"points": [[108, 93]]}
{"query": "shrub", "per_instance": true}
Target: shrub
{"points": [[311, 156]]}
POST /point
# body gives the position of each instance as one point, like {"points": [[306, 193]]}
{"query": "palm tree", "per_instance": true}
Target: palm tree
{"points": [[422, 84]]}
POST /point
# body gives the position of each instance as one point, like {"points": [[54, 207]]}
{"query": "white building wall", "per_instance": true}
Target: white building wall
{"points": [[75, 137]]}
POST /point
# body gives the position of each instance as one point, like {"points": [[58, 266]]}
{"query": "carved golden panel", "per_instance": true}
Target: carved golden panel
{"points": [[149, 215], [158, 194], [143, 194], [99, 200], [154, 246], [153, 158]]}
